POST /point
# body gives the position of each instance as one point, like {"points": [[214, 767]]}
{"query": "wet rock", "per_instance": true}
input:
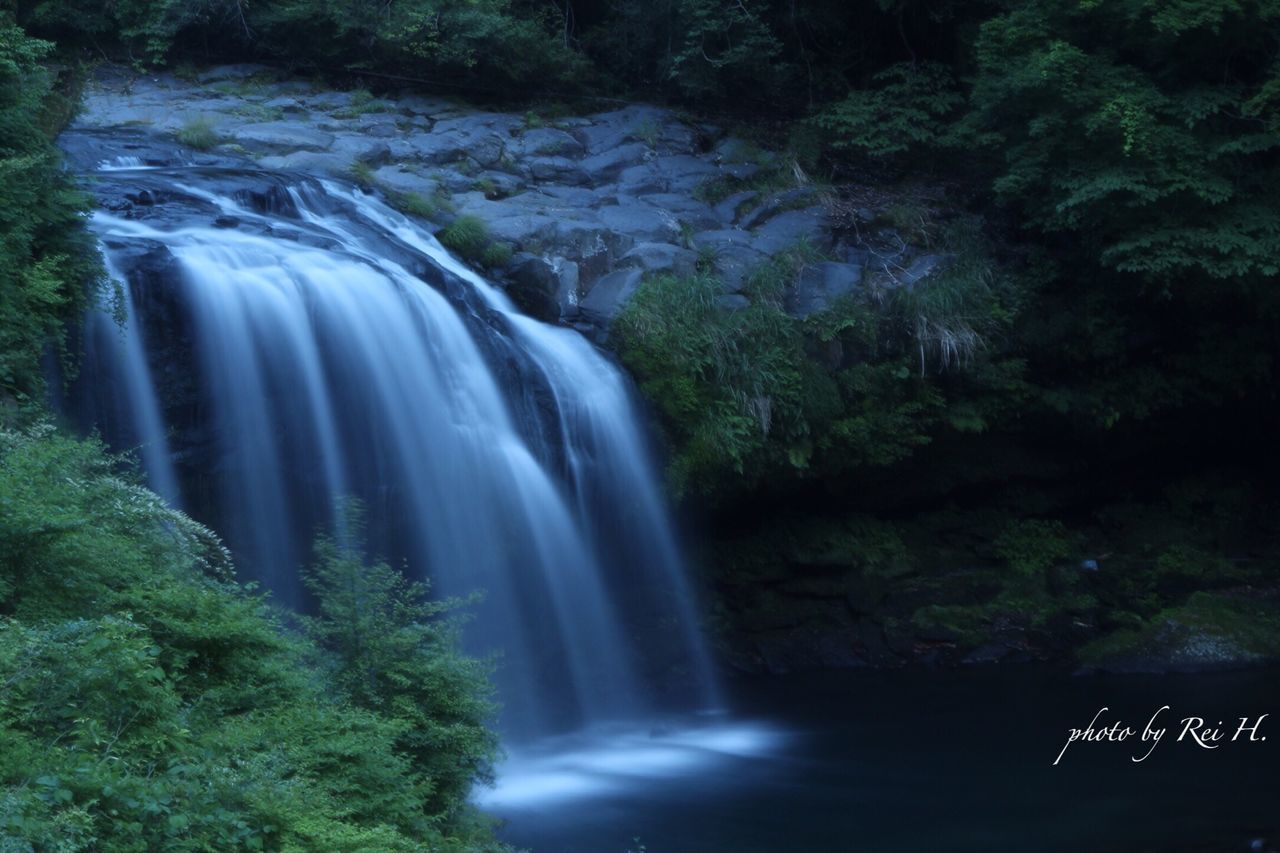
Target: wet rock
{"points": [[640, 221], [371, 152], [237, 72], [610, 163], [282, 136], [609, 295], [778, 203], [287, 104], [610, 130], [727, 209], [689, 211], [556, 169], [786, 230], [549, 142], [820, 285], [736, 264], [311, 162], [660, 257], [404, 181], [486, 150], [543, 289]]}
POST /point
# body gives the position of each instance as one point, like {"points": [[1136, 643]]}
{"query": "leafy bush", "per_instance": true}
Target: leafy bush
{"points": [[151, 703], [46, 257], [1116, 121], [910, 110]]}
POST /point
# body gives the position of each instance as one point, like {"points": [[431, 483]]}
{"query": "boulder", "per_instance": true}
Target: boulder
{"points": [[611, 129], [660, 257], [640, 222], [609, 295], [605, 166], [549, 141], [311, 162], [486, 150], [727, 209], [286, 104], [787, 229], [282, 136], [543, 288], [819, 286], [735, 264], [556, 170], [371, 152]]}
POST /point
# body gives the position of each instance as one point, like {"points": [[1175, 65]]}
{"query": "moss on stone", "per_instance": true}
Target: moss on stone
{"points": [[1210, 630]]}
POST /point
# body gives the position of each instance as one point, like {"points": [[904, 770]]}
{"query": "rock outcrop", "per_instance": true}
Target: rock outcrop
{"points": [[588, 205]]}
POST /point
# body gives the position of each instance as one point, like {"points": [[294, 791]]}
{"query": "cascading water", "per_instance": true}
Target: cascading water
{"points": [[288, 342]]}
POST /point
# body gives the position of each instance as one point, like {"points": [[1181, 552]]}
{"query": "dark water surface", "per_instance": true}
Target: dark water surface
{"points": [[917, 760]]}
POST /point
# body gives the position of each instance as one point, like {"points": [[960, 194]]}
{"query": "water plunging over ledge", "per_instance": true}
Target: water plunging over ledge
{"points": [[290, 341]]}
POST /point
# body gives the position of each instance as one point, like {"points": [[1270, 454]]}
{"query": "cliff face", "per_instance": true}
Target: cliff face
{"points": [[827, 364], [575, 210]]}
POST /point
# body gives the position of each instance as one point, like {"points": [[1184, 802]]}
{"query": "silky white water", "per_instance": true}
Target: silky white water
{"points": [[335, 349]]}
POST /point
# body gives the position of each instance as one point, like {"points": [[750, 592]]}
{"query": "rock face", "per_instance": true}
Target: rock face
{"points": [[589, 205], [820, 285]]}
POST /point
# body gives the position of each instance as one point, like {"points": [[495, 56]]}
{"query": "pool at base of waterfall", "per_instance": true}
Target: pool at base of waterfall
{"points": [[912, 760]]}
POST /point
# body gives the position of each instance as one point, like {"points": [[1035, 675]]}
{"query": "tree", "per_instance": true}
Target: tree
{"points": [[395, 652]]}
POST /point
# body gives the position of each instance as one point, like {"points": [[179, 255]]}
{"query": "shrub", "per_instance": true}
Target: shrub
{"points": [[466, 235], [495, 255], [199, 133]]}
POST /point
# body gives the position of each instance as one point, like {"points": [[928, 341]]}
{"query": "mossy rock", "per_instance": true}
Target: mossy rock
{"points": [[1209, 631], [965, 625]]}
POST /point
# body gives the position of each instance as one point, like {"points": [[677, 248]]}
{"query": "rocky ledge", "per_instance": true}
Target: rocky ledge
{"points": [[568, 213]]}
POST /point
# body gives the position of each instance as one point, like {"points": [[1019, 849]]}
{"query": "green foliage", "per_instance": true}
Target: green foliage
{"points": [[743, 397], [469, 237], [724, 381], [151, 703], [1032, 546], [46, 263], [361, 174], [496, 255], [909, 110], [466, 235], [199, 133], [417, 204], [1143, 128], [394, 653]]}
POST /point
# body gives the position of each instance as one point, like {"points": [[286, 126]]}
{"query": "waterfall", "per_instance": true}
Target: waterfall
{"points": [[113, 338], [300, 342]]}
